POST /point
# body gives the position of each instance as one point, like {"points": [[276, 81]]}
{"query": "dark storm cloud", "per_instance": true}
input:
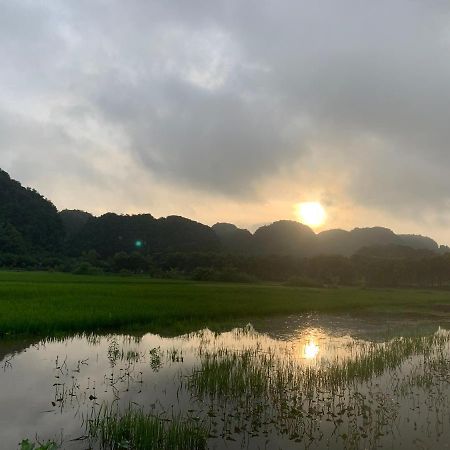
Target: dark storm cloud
{"points": [[214, 140], [221, 95]]}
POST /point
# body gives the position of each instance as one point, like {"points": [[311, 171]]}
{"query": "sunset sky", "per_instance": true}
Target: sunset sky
{"points": [[232, 110]]}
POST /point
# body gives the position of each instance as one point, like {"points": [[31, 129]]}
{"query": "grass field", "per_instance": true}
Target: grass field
{"points": [[52, 303]]}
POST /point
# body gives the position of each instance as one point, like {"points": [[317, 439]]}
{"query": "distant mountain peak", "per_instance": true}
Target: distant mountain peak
{"points": [[33, 222]]}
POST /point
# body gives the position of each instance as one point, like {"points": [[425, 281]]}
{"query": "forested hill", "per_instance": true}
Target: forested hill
{"points": [[286, 237], [112, 233], [30, 224]]}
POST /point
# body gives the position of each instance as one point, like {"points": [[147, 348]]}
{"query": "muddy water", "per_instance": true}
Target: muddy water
{"points": [[51, 388]]}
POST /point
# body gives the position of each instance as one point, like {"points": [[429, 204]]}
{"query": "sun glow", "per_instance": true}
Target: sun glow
{"points": [[310, 350], [311, 213]]}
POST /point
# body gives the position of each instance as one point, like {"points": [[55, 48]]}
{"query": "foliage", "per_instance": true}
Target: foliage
{"points": [[133, 263], [25, 213], [11, 241], [137, 430], [85, 268], [111, 234], [27, 445], [74, 220]]}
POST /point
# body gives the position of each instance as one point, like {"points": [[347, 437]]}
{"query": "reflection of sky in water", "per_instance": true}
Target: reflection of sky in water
{"points": [[49, 388]]}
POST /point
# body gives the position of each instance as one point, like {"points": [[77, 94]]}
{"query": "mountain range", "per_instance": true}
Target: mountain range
{"points": [[31, 223]]}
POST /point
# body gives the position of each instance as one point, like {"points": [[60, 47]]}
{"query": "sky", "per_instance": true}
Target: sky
{"points": [[232, 111]]}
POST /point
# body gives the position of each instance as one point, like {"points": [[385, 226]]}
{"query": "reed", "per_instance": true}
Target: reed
{"points": [[137, 430], [254, 389]]}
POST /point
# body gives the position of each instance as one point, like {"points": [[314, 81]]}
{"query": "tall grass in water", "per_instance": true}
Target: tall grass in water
{"points": [[137, 430], [262, 391], [226, 372]]}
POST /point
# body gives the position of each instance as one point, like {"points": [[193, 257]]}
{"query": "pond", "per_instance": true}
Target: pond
{"points": [[311, 381]]}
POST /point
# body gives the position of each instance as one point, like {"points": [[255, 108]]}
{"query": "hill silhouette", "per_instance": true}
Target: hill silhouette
{"points": [[285, 237], [31, 223], [233, 239], [113, 233], [349, 242], [74, 220], [28, 221]]}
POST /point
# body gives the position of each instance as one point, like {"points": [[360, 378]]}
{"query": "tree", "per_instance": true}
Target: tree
{"points": [[11, 241]]}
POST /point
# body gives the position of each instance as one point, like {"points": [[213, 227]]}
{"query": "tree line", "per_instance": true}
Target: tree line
{"points": [[35, 236]]}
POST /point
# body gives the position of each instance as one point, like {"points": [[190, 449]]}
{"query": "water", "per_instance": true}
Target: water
{"points": [[50, 389]]}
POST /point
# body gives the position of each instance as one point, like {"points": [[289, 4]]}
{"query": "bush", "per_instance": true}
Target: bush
{"points": [[86, 269], [173, 274], [11, 261], [204, 274]]}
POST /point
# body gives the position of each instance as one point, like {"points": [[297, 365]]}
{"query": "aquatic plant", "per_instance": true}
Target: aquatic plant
{"points": [[246, 389], [256, 391], [137, 430], [27, 445]]}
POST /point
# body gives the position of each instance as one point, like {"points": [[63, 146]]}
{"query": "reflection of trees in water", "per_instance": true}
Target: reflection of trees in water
{"points": [[373, 327], [10, 348]]}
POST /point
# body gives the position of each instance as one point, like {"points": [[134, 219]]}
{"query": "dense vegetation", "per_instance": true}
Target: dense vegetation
{"points": [[49, 303], [34, 236], [28, 222]]}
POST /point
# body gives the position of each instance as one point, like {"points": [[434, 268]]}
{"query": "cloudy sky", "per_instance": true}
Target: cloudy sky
{"points": [[232, 110]]}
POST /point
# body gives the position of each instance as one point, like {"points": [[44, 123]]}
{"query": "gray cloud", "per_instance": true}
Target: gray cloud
{"points": [[222, 95]]}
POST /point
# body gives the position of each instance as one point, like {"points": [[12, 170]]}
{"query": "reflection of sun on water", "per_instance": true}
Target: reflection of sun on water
{"points": [[310, 350]]}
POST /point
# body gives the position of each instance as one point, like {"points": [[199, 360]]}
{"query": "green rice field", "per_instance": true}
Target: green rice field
{"points": [[52, 303]]}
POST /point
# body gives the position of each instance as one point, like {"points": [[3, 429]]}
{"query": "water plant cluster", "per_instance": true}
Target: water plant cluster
{"points": [[353, 403], [137, 430], [27, 445], [243, 389]]}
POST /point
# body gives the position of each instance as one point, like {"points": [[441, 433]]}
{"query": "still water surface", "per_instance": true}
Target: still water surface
{"points": [[51, 388]]}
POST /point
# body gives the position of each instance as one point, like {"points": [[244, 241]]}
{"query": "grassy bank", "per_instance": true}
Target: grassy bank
{"points": [[48, 303]]}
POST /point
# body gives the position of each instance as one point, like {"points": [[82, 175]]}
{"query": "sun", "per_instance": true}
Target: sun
{"points": [[311, 213]]}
